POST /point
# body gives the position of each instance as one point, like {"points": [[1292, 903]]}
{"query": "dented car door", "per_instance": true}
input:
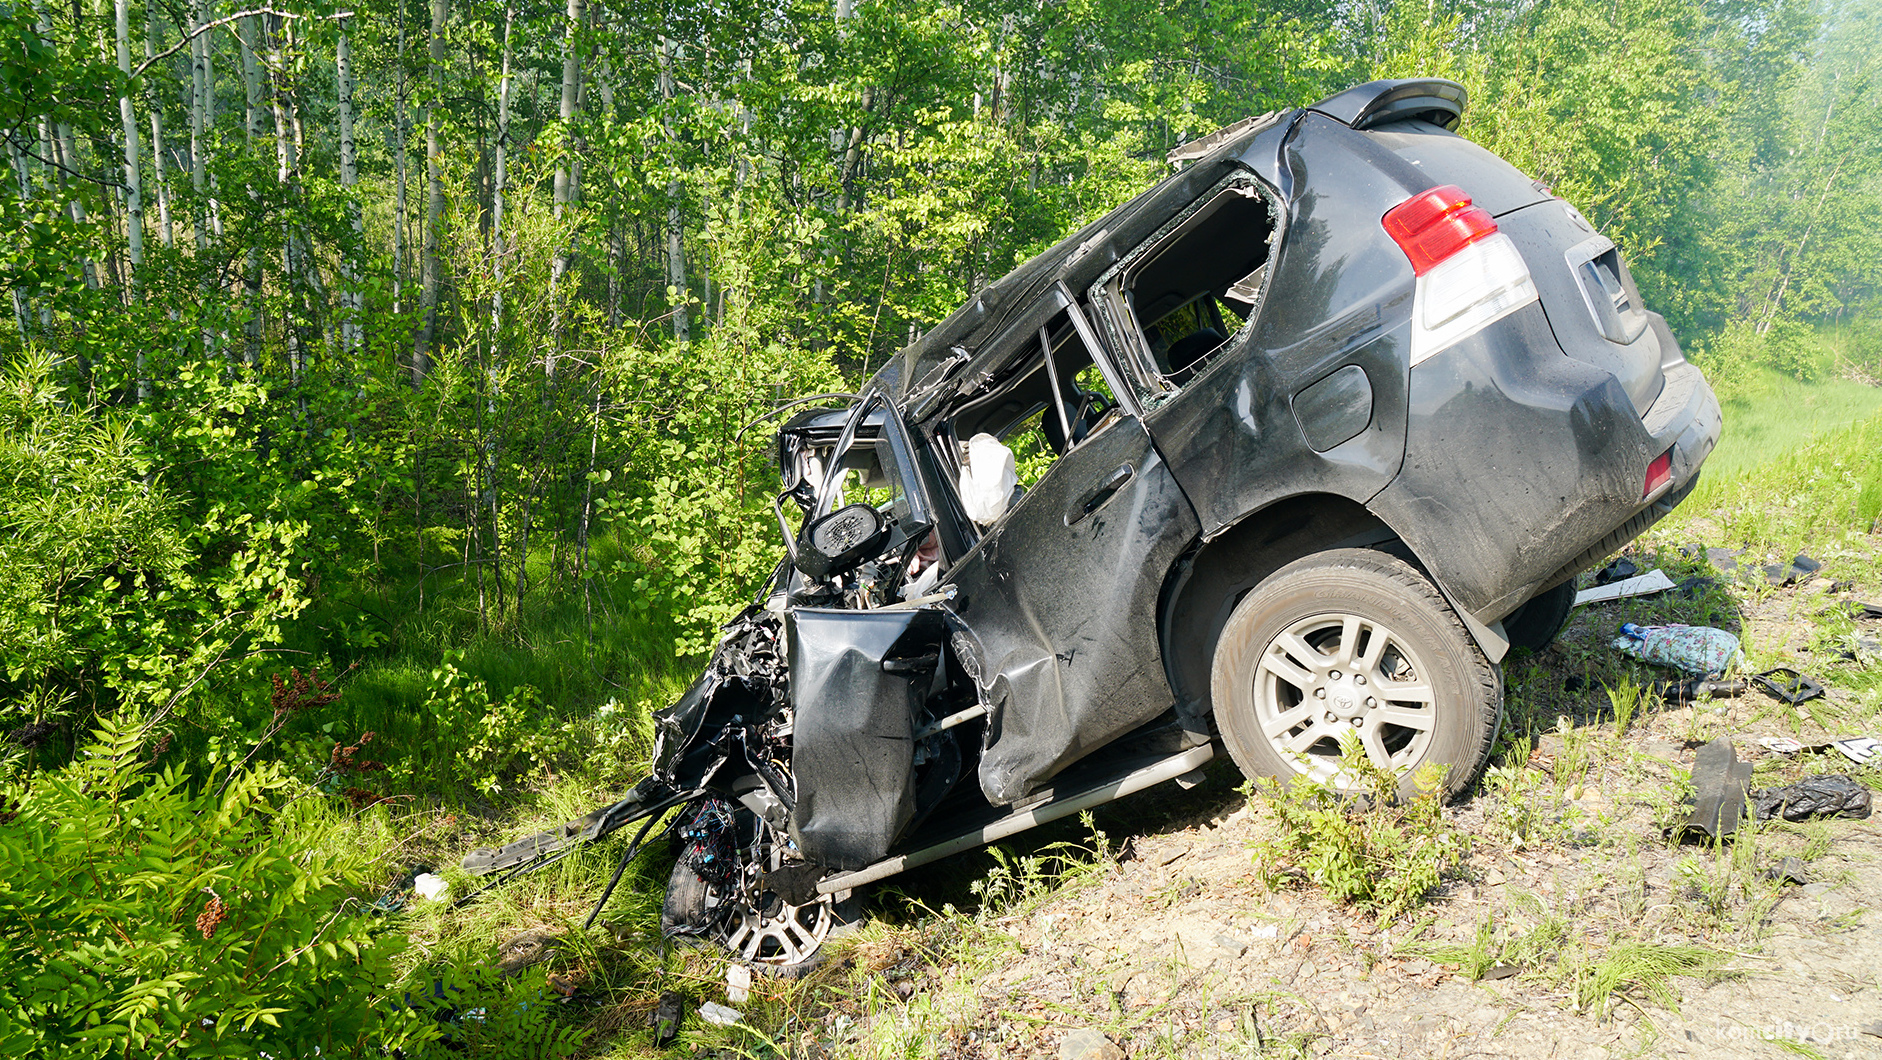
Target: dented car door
{"points": [[1057, 600]]}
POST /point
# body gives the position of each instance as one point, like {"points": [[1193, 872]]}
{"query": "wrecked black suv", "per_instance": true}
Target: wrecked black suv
{"points": [[1282, 454]]}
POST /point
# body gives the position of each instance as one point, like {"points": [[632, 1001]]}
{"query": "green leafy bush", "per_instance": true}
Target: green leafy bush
{"points": [[112, 592], [1366, 849]]}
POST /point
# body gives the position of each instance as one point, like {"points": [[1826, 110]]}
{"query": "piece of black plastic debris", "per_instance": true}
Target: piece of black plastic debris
{"points": [[1800, 568], [1866, 610], [1501, 971], [1788, 685], [1693, 586], [796, 882], [1619, 570], [1721, 781], [1790, 870], [666, 1018], [1723, 559], [1686, 691], [1574, 683], [1863, 644], [1828, 795], [1873, 1030], [1841, 587]]}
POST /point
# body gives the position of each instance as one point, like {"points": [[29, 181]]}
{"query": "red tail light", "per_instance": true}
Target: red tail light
{"points": [[1436, 224], [1659, 473]]}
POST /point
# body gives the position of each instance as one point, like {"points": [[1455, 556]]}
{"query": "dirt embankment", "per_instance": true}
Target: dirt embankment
{"points": [[1574, 928]]}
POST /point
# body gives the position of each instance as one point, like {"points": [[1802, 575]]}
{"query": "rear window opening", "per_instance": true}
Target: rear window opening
{"points": [[1192, 290]]}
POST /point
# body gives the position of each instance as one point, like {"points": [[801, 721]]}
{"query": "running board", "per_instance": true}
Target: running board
{"points": [[1031, 817]]}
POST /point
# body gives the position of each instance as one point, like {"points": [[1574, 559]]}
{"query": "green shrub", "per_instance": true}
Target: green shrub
{"points": [[1367, 848]]}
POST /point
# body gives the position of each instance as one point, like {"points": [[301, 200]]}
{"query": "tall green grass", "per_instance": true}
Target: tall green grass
{"points": [[1797, 467], [1781, 415]]}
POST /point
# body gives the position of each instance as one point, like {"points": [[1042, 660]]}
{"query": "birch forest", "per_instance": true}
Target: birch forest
{"points": [[372, 401]]}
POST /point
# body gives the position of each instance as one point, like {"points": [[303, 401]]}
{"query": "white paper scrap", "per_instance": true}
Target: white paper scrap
{"points": [[1654, 581], [431, 888], [1861, 750], [737, 983], [718, 1015]]}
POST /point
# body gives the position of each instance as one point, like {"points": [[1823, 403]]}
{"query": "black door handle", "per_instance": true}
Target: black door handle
{"points": [[1094, 500]]}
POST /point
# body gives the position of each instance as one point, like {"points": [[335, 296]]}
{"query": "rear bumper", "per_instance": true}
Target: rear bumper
{"points": [[1520, 462]]}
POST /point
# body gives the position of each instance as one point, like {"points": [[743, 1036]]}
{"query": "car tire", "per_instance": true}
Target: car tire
{"points": [[691, 914], [1535, 624], [1282, 649]]}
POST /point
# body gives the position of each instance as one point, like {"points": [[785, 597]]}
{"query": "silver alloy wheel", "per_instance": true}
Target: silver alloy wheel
{"points": [[757, 925], [781, 935], [1332, 677]]}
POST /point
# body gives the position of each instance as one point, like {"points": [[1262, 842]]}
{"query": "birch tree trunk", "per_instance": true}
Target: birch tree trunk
{"points": [[156, 134], [21, 312], [564, 191], [434, 207], [350, 300], [500, 184], [199, 122], [287, 166], [251, 131], [133, 182], [499, 188], [676, 234], [400, 204], [68, 160]]}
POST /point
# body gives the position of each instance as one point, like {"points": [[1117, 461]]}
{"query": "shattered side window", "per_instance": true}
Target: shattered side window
{"points": [[1042, 407], [1181, 299], [892, 495], [1032, 451]]}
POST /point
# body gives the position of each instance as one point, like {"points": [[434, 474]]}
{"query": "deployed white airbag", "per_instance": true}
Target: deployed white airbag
{"points": [[988, 479]]}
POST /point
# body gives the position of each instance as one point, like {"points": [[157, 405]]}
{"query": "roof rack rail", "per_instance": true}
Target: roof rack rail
{"points": [[1202, 146]]}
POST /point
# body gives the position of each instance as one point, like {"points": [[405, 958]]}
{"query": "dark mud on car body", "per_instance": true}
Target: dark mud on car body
{"points": [[1342, 355]]}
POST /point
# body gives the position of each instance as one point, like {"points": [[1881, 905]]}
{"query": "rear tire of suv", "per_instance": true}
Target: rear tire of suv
{"points": [[1535, 624], [1353, 642]]}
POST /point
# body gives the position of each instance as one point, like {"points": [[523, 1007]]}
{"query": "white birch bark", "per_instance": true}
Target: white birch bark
{"points": [[564, 190], [251, 131], [68, 159], [133, 183], [287, 165], [434, 206], [350, 302], [21, 312], [133, 148], [500, 184], [400, 203], [676, 233], [199, 124], [158, 162]]}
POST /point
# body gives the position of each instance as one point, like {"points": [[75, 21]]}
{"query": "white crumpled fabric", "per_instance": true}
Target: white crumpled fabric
{"points": [[988, 479]]}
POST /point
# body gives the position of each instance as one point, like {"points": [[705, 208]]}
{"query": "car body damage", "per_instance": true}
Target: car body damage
{"points": [[1256, 462]]}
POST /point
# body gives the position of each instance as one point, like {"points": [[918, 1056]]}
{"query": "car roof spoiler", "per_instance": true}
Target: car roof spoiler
{"points": [[1376, 103]]}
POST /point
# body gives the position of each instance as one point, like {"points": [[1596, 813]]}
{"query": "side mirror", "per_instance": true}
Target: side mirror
{"points": [[839, 541]]}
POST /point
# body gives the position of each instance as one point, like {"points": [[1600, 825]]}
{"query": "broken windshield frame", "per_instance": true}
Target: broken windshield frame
{"points": [[910, 509]]}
